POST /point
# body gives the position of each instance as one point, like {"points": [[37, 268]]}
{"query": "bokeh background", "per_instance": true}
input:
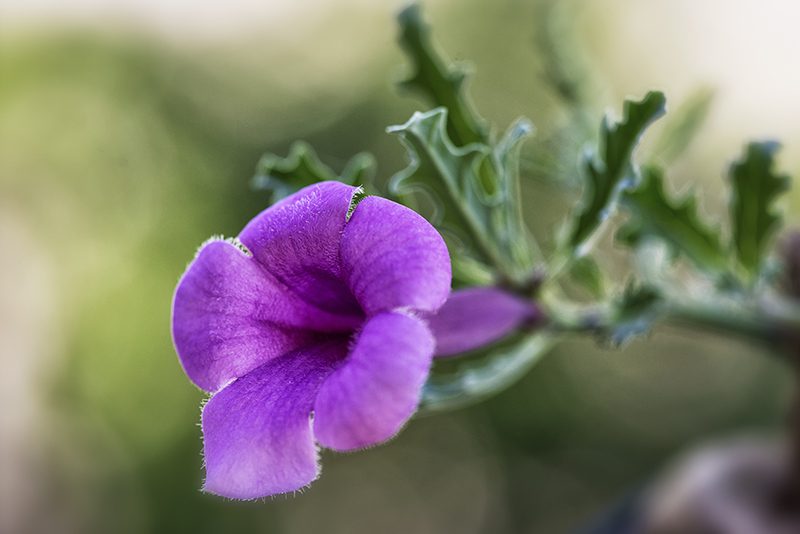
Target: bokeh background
{"points": [[128, 133]]}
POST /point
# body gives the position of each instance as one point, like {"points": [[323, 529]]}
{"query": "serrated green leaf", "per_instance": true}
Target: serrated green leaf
{"points": [[508, 226], [611, 170], [302, 167], [683, 124], [451, 177], [755, 189], [490, 226], [635, 300], [443, 83], [475, 382], [474, 190], [653, 214], [587, 274], [635, 313]]}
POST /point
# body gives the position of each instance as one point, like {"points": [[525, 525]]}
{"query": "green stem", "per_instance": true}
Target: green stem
{"points": [[753, 325], [769, 326]]}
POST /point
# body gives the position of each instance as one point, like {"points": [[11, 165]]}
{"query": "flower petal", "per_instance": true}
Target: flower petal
{"points": [[229, 316], [373, 394], [393, 258], [297, 241], [257, 430], [478, 316]]}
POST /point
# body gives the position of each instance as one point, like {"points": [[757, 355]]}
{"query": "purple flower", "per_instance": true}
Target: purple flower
{"points": [[322, 317], [477, 316]]}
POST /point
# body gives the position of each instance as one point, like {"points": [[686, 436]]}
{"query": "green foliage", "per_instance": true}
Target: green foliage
{"points": [[562, 66], [682, 125], [755, 190], [439, 81], [496, 371], [586, 273], [302, 167], [654, 215], [612, 171], [474, 190], [508, 227], [469, 272], [473, 186], [455, 179], [472, 182], [633, 314]]}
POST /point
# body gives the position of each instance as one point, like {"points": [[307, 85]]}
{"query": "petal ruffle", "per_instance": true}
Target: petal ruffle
{"points": [[297, 241], [369, 398], [257, 430], [478, 316], [229, 317], [393, 258]]}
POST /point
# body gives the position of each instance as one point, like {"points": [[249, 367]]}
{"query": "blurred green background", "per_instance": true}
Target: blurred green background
{"points": [[128, 134]]}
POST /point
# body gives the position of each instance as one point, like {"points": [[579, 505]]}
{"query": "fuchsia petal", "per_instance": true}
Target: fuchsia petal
{"points": [[373, 394], [478, 316], [257, 430], [229, 317], [393, 258], [297, 241]]}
